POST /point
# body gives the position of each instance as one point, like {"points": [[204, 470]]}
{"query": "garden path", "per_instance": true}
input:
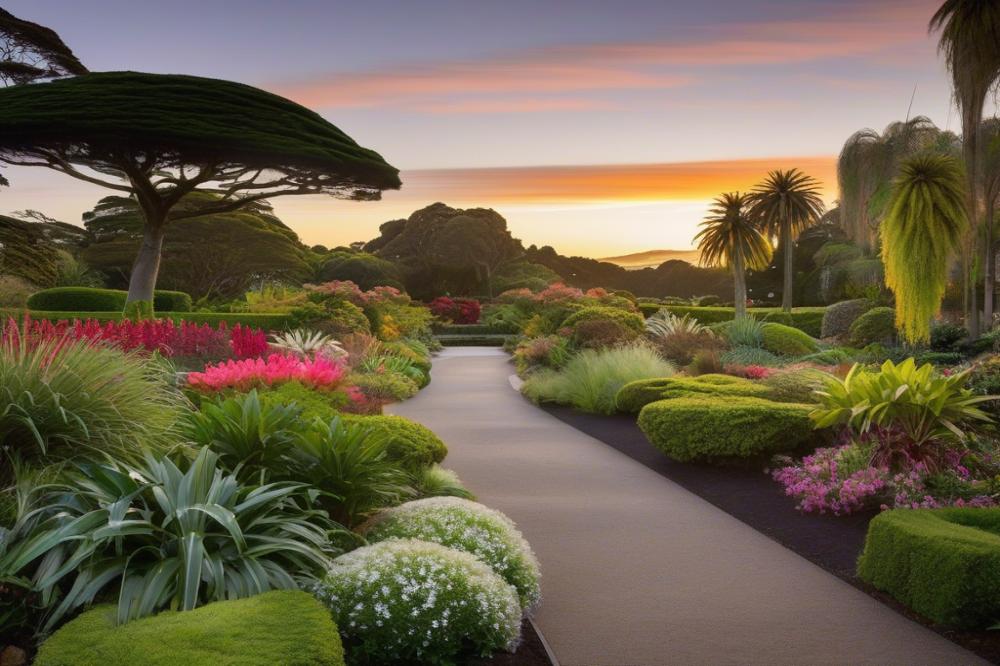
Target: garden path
{"points": [[637, 570]]}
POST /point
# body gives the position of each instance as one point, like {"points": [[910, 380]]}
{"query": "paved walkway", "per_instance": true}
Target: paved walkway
{"points": [[636, 570]]}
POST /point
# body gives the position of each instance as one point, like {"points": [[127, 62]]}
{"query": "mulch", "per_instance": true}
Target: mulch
{"points": [[531, 651], [750, 495]]}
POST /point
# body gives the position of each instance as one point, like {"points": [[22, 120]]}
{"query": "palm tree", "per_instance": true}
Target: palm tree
{"points": [[783, 205], [989, 183], [970, 41], [923, 228], [730, 239]]}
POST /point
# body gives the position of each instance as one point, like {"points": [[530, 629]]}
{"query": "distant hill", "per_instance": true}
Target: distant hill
{"points": [[652, 258]]}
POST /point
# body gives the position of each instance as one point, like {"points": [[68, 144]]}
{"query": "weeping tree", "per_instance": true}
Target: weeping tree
{"points": [[970, 42], [730, 239], [868, 163], [786, 203], [29, 52], [159, 138], [924, 227]]}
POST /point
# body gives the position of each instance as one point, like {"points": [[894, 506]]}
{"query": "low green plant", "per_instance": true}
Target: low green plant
{"points": [[745, 332], [396, 364], [798, 385], [838, 317], [786, 341], [942, 563], [311, 403], [721, 429], [436, 481], [591, 379], [303, 342], [664, 323], [470, 527], [384, 387], [412, 445], [743, 355], [279, 627], [635, 395], [876, 325], [388, 600], [628, 320]]}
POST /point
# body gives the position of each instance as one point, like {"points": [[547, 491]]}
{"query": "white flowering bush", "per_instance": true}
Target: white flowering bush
{"points": [[468, 526], [409, 601]]}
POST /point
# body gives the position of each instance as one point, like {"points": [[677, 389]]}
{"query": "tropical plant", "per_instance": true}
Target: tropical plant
{"points": [[747, 332], [664, 324], [307, 343], [924, 227], [388, 362], [909, 409], [783, 205], [970, 41], [729, 238], [164, 538]]}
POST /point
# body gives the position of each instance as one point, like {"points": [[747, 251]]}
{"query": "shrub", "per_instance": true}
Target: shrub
{"points": [[319, 373], [456, 310], [635, 395], [384, 387], [591, 379], [946, 337], [601, 334], [721, 429], [470, 527], [549, 351], [680, 339], [436, 481], [172, 301], [90, 299], [786, 341], [876, 325], [280, 627], [664, 323], [626, 319], [305, 343], [942, 563], [743, 355], [745, 332], [389, 600], [835, 356], [382, 362], [311, 403], [808, 320], [838, 317], [409, 443], [797, 385], [61, 400], [14, 291]]}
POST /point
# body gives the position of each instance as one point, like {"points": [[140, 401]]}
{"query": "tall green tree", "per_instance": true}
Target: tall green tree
{"points": [[785, 204], [970, 42], [924, 227], [729, 238], [158, 138], [989, 179]]}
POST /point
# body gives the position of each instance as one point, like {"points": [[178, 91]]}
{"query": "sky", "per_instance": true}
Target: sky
{"points": [[597, 127]]}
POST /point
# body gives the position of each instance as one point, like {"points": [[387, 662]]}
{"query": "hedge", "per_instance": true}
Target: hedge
{"points": [[631, 321], [281, 627], [413, 445], [74, 299], [723, 429], [267, 321], [942, 563], [787, 340], [809, 320], [876, 325], [635, 395]]}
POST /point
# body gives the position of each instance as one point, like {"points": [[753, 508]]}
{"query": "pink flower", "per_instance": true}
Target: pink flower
{"points": [[320, 373]]}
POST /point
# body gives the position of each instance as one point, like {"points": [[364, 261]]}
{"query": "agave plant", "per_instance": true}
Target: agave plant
{"points": [[308, 343], [157, 537], [664, 324]]}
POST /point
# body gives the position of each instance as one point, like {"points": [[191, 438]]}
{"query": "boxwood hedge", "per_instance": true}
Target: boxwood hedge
{"points": [[635, 395], [942, 563], [266, 321], [722, 429], [76, 299], [787, 340], [412, 444]]}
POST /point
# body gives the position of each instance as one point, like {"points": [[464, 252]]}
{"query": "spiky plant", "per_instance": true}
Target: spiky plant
{"points": [[303, 342], [925, 225], [730, 239], [665, 323], [783, 205], [970, 42]]}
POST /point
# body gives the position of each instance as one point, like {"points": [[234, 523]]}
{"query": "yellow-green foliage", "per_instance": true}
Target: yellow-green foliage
{"points": [[286, 627], [786, 340], [629, 320], [635, 395], [925, 225], [720, 429], [942, 563], [413, 445]]}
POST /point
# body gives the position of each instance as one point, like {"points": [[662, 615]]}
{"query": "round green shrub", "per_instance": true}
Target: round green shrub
{"points": [[172, 301], [470, 527], [635, 395], [314, 404], [876, 325], [942, 563], [719, 429], [409, 601], [786, 341], [280, 627], [632, 321], [91, 299], [835, 356], [382, 387], [415, 446], [795, 385], [838, 317]]}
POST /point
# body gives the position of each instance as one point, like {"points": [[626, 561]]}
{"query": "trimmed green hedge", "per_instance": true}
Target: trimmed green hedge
{"points": [[467, 329], [267, 321], [809, 320], [284, 627], [721, 429], [76, 299], [629, 320], [635, 395], [787, 340], [876, 325], [942, 563], [649, 309], [413, 445]]}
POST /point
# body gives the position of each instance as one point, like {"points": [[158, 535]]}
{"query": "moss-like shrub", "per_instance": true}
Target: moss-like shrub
{"points": [[795, 385], [724, 428], [421, 358], [470, 527], [389, 600], [84, 299], [745, 355], [172, 301], [282, 627], [628, 320], [838, 317], [876, 325], [383, 387], [314, 404], [635, 395], [942, 563], [786, 341], [413, 445], [835, 356]]}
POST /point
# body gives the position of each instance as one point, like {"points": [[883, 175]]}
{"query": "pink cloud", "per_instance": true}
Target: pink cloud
{"points": [[513, 105]]}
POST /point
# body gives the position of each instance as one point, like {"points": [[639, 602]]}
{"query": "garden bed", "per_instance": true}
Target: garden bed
{"points": [[751, 496]]}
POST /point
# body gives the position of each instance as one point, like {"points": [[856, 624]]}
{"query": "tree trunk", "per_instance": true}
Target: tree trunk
{"points": [[142, 283], [786, 241], [989, 269], [972, 116], [740, 288]]}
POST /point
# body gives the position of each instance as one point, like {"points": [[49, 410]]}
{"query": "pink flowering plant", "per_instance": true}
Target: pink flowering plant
{"points": [[320, 373]]}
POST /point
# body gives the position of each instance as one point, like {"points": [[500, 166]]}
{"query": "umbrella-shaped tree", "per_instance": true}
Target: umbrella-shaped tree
{"points": [[783, 205], [160, 137], [29, 52], [730, 239], [924, 227]]}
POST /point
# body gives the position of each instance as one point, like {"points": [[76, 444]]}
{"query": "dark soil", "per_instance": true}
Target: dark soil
{"points": [[750, 495], [531, 651]]}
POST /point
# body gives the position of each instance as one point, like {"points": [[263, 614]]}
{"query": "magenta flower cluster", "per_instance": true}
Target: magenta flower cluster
{"points": [[320, 373]]}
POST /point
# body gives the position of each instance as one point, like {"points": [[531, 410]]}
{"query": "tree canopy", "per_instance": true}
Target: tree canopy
{"points": [[362, 268], [29, 52], [27, 253]]}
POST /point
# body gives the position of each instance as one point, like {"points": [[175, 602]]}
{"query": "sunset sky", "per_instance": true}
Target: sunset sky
{"points": [[597, 127]]}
